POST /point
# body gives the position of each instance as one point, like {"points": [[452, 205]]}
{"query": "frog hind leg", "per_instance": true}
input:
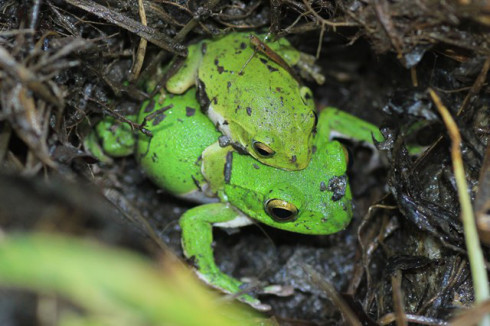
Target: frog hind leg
{"points": [[335, 122], [197, 238], [185, 76]]}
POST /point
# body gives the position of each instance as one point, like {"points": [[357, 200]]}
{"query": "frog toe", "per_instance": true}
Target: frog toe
{"points": [[259, 305], [279, 290]]}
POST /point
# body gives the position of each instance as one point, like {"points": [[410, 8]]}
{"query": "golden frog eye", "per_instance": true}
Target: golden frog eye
{"points": [[280, 210], [262, 149]]}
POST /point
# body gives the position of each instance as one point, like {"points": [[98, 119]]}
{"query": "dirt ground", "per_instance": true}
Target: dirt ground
{"points": [[65, 64]]}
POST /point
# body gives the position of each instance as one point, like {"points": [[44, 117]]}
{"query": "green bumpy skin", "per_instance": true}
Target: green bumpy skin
{"points": [[252, 99]]}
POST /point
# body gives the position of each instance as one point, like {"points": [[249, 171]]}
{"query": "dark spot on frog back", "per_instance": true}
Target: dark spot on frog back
{"points": [[243, 45], [249, 111], [189, 112], [202, 97], [150, 106], [154, 157], [220, 69], [159, 118], [271, 68]]}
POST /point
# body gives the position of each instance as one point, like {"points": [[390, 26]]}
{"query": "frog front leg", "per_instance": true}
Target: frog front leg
{"points": [[197, 238]]}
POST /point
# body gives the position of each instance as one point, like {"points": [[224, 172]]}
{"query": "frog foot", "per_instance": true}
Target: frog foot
{"points": [[254, 302], [274, 289], [279, 290], [234, 288]]}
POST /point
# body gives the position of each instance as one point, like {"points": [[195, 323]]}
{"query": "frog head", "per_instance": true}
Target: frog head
{"points": [[315, 200]]}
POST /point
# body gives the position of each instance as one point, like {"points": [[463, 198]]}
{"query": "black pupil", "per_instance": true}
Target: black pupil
{"points": [[262, 151], [281, 213]]}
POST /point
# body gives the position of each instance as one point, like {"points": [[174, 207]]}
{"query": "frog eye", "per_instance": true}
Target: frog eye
{"points": [[262, 149], [280, 210], [306, 95]]}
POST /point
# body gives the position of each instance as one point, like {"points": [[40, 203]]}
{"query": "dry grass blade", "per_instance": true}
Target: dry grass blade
{"points": [[332, 293], [148, 33], [396, 284], [26, 77], [415, 319], [473, 315], [28, 120], [475, 254], [140, 53], [477, 85], [482, 200]]}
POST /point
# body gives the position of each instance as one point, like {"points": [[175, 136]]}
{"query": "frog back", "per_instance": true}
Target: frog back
{"points": [[180, 132]]}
